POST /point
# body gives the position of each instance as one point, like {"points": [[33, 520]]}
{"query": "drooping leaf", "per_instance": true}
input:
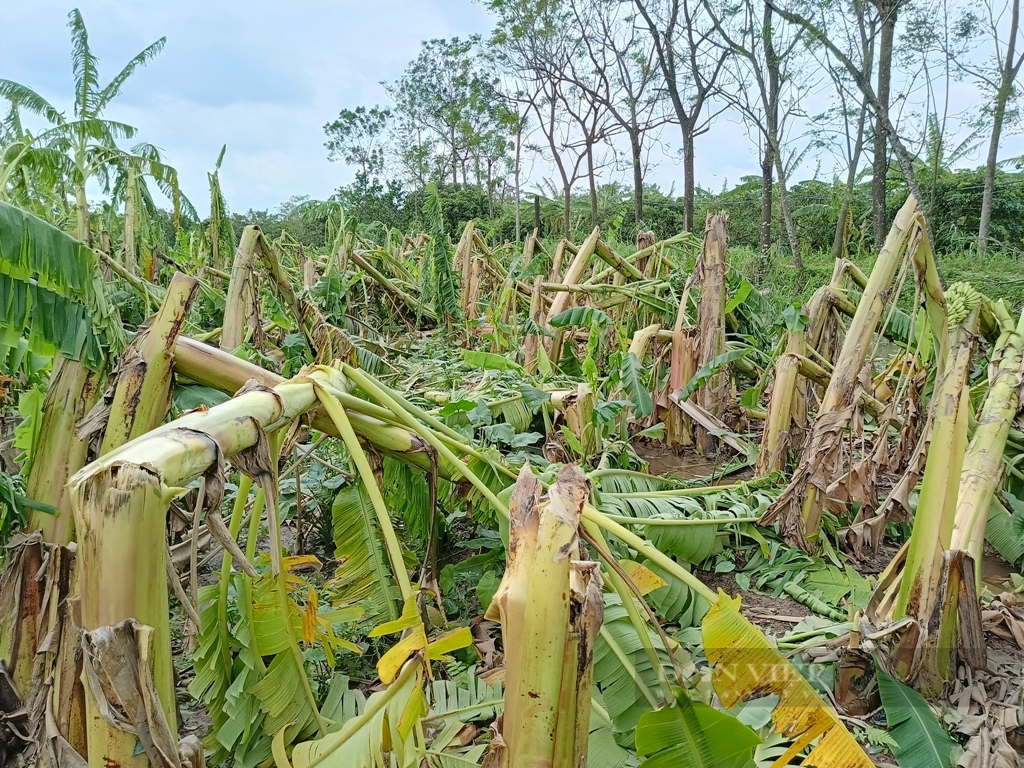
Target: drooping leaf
{"points": [[692, 544], [50, 286], [701, 377], [188, 397], [921, 741], [465, 698], [746, 665], [363, 741], [603, 751], [1005, 528], [738, 297], [513, 411], [534, 397], [607, 412], [408, 497], [676, 602], [489, 361], [632, 377], [623, 674], [445, 291], [581, 316], [363, 576]]}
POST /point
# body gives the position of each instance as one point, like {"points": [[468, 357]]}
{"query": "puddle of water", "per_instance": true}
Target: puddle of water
{"points": [[995, 571], [690, 464]]}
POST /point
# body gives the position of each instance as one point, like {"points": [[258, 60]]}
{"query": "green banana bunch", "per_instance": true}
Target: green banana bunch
{"points": [[961, 300]]}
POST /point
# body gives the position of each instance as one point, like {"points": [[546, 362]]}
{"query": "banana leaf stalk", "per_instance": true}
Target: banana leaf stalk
{"points": [[648, 250], [981, 473], [775, 443], [241, 304], [574, 274], [710, 272], [60, 452], [463, 259], [622, 267], [933, 522], [139, 393], [934, 585], [531, 342], [217, 369], [391, 289], [550, 607]]}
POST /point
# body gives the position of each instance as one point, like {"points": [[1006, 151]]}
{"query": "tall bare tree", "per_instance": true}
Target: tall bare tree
{"points": [[536, 43], [690, 64], [993, 29], [887, 13], [843, 127], [816, 30], [620, 75], [766, 87]]}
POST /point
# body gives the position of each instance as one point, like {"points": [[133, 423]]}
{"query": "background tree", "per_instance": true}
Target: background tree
{"points": [[454, 109], [90, 139], [887, 15], [690, 65], [535, 44], [815, 30], [358, 138], [620, 76], [766, 88], [993, 30]]}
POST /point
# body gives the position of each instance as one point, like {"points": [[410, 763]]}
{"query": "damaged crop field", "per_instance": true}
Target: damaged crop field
{"points": [[407, 478], [397, 507]]}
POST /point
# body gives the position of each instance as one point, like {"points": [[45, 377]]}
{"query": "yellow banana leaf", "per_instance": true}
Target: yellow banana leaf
{"points": [[747, 666]]}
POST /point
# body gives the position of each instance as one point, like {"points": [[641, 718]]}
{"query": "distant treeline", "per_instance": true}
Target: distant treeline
{"points": [[953, 201]]}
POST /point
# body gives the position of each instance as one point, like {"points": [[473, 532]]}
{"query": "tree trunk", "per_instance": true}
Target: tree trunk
{"points": [[638, 173], [767, 183], [82, 215], [839, 241], [516, 177], [1009, 73], [591, 177], [455, 160], [787, 218], [772, 145], [566, 213], [688, 185], [887, 14], [490, 189], [536, 212], [990, 176]]}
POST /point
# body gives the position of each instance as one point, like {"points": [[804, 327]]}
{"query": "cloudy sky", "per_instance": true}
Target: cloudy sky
{"points": [[260, 77], [263, 78]]}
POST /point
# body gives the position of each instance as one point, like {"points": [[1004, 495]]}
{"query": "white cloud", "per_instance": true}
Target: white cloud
{"points": [[261, 77]]}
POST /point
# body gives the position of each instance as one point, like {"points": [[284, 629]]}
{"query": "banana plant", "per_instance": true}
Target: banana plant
{"points": [[89, 139]]}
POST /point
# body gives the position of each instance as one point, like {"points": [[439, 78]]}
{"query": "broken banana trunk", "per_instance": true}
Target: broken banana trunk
{"points": [[550, 607], [800, 508], [120, 502], [934, 593]]}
